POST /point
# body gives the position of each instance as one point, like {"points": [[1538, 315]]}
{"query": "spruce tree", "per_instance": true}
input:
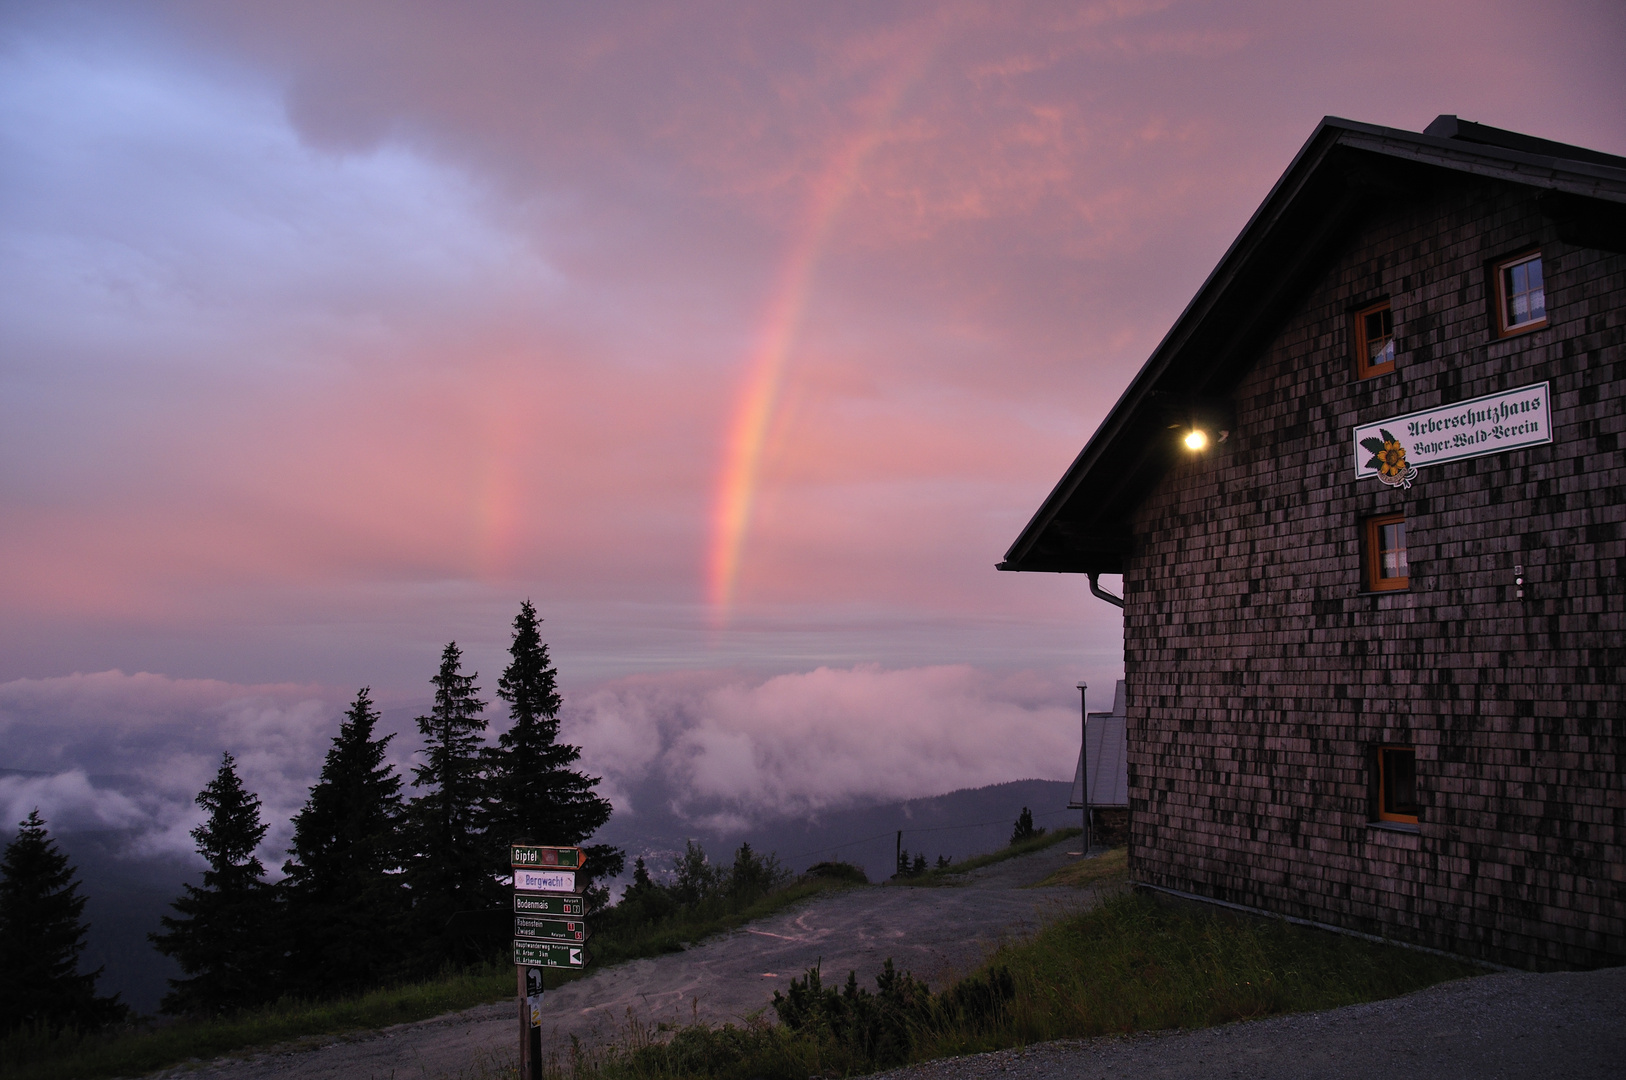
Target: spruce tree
{"points": [[645, 900], [448, 871], [345, 902], [41, 937], [225, 937], [1024, 828], [532, 790]]}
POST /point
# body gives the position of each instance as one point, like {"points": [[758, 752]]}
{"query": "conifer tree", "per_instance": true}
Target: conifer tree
{"points": [[754, 874], [41, 937], [225, 937], [644, 901], [345, 902], [532, 790], [448, 870], [1024, 828]]}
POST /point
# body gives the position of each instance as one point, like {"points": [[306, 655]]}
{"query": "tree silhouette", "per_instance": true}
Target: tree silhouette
{"points": [[532, 791], [225, 939], [448, 871], [41, 937], [345, 902], [1024, 828]]}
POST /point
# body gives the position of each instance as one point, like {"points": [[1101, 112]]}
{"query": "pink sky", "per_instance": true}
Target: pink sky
{"points": [[737, 337]]}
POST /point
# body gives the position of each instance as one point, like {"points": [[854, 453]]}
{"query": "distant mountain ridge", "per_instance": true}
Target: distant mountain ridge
{"points": [[959, 823]]}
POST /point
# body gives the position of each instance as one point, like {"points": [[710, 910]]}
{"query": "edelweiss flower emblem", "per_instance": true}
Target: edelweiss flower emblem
{"points": [[1389, 459]]}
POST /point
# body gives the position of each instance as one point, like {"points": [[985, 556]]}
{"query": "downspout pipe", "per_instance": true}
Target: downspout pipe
{"points": [[1095, 587]]}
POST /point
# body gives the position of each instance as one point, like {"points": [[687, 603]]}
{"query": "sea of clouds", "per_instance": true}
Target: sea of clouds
{"points": [[725, 752], [128, 753]]}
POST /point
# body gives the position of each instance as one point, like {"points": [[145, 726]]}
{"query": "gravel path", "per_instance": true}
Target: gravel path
{"points": [[933, 932], [1564, 1026]]}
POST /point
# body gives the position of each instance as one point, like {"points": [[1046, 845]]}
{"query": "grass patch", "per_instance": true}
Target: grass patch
{"points": [[1109, 867], [1140, 964], [948, 874], [136, 1050], [1132, 964]]}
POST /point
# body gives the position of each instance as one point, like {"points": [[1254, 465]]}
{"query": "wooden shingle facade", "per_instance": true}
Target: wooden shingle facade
{"points": [[1430, 748]]}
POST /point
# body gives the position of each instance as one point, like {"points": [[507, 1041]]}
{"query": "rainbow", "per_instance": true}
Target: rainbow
{"points": [[755, 409]]}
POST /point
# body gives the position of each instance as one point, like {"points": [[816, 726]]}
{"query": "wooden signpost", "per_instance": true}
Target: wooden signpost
{"points": [[549, 931], [531, 926], [548, 904], [545, 880], [546, 954], [541, 855]]}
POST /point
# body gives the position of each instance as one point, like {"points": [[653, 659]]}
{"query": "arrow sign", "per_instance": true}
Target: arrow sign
{"points": [[545, 880], [529, 926], [553, 954], [549, 904], [541, 855]]}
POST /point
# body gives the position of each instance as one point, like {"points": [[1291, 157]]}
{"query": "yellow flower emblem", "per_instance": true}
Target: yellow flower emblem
{"points": [[1392, 458], [1389, 459]]}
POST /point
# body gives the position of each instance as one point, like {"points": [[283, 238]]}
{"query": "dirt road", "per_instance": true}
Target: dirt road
{"points": [[932, 932], [1519, 1025]]}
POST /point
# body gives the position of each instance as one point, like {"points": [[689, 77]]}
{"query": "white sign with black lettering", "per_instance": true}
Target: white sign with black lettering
{"points": [[1393, 450]]}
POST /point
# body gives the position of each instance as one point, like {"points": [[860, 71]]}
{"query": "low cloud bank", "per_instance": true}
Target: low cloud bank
{"points": [[112, 751], [724, 752], [130, 752]]}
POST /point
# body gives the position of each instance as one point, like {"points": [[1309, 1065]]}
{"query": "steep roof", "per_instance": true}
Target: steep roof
{"points": [[1344, 169]]}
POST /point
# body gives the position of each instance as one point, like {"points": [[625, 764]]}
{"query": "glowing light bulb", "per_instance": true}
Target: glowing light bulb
{"points": [[1196, 440]]}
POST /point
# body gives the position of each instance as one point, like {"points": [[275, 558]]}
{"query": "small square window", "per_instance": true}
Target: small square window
{"points": [[1374, 338], [1521, 297], [1384, 541], [1396, 785]]}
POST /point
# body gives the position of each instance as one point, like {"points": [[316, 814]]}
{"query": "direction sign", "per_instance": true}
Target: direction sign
{"points": [[549, 904], [555, 954], [545, 880], [546, 855], [529, 926]]}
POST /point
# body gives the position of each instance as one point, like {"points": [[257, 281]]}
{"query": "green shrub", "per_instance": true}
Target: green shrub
{"points": [[838, 871]]}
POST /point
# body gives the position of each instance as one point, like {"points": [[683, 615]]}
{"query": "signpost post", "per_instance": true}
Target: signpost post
{"points": [[549, 931]]}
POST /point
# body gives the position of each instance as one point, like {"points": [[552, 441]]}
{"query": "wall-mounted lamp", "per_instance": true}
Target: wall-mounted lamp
{"points": [[1199, 423], [1196, 439]]}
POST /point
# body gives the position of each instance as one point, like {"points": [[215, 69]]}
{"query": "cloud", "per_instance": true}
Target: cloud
{"points": [[308, 365], [130, 752], [730, 751], [69, 802], [332, 330], [114, 751]]}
